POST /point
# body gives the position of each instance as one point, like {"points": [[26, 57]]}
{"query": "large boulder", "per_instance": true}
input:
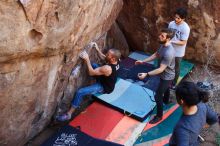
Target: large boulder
{"points": [[39, 44], [116, 39], [141, 21]]}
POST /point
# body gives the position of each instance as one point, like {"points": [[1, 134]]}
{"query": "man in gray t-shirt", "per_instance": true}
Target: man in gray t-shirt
{"points": [[166, 55], [166, 70], [179, 41]]}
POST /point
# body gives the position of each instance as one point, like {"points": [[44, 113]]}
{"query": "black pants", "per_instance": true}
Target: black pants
{"points": [[177, 69], [162, 95]]}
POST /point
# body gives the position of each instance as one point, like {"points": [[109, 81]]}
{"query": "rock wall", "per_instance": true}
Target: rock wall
{"points": [[39, 45], [116, 39], [141, 21]]}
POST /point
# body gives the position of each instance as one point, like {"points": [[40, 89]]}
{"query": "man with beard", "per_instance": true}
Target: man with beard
{"points": [[166, 69], [106, 78], [179, 41]]}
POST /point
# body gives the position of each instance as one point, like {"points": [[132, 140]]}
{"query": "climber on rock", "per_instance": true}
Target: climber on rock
{"points": [[106, 77]]}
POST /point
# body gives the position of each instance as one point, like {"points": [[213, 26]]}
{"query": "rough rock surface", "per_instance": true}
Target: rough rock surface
{"points": [[141, 21], [116, 39], [39, 45]]}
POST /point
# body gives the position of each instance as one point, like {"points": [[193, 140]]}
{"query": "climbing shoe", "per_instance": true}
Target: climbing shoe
{"points": [[63, 117]]}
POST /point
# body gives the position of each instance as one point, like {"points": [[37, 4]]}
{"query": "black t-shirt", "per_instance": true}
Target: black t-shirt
{"points": [[108, 82]]}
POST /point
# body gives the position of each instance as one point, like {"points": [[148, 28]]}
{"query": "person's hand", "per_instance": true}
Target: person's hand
{"points": [[142, 75], [138, 62], [94, 45], [173, 42], [84, 55], [206, 126]]}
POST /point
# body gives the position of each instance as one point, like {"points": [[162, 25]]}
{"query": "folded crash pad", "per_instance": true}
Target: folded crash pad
{"points": [[160, 133]]}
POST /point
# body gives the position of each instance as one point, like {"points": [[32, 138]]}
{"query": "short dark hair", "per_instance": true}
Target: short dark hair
{"points": [[182, 12], [169, 32], [117, 53], [189, 93]]}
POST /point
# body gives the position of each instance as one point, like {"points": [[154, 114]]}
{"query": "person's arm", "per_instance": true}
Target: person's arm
{"points": [[180, 43], [101, 55], [153, 72], [184, 37], [152, 57], [163, 65], [103, 70], [211, 116]]}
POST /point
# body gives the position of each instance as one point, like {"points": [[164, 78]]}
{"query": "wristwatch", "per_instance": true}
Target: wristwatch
{"points": [[147, 74]]}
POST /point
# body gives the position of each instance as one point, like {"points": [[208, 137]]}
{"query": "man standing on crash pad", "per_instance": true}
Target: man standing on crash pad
{"points": [[179, 41], [166, 70]]}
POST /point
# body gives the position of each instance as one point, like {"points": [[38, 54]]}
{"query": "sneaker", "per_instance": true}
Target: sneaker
{"points": [[155, 120], [63, 117]]}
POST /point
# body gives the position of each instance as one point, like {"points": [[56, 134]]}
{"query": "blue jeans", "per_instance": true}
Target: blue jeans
{"points": [[92, 89], [95, 65]]}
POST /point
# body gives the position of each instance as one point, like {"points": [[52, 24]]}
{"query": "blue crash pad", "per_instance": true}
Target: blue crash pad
{"points": [[132, 72], [132, 99], [129, 71]]}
